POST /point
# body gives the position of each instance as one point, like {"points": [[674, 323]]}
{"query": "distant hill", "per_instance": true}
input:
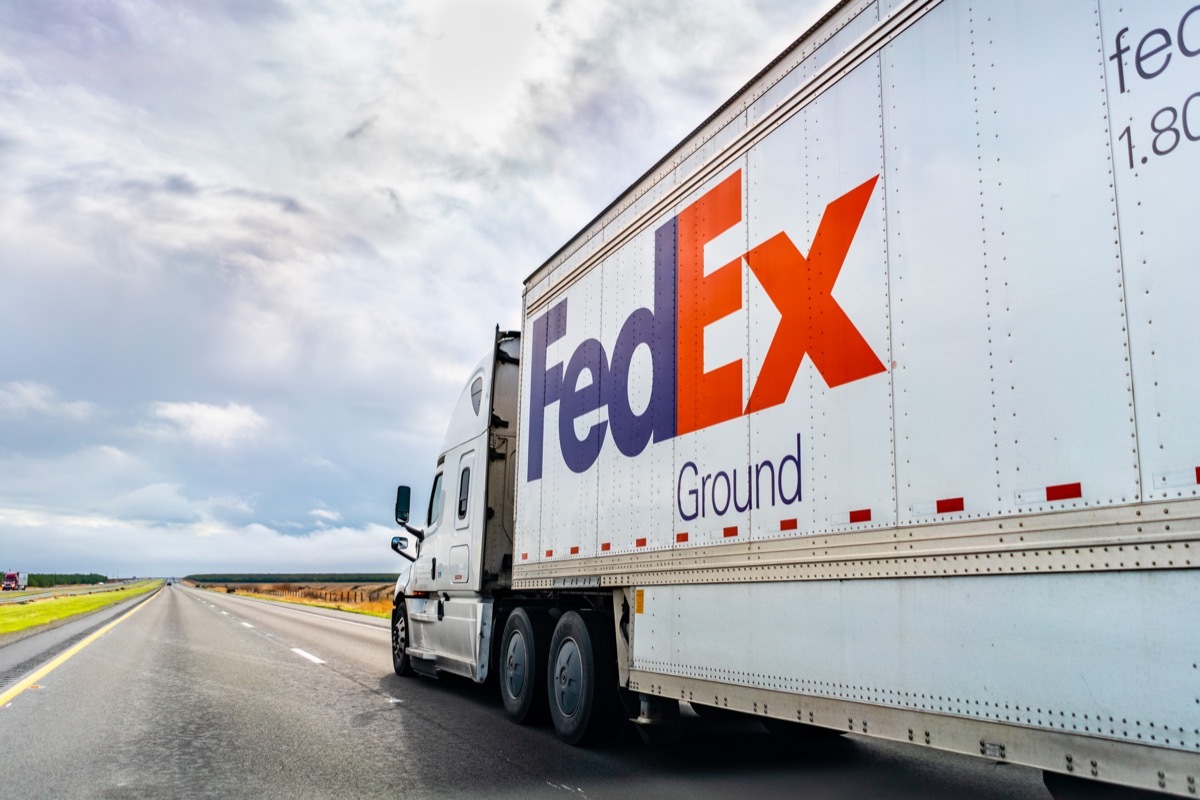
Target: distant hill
{"points": [[294, 577]]}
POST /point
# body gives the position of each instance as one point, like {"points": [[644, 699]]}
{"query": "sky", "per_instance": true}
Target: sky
{"points": [[250, 249]]}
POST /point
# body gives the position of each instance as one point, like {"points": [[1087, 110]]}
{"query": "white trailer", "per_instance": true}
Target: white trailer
{"points": [[869, 408]]}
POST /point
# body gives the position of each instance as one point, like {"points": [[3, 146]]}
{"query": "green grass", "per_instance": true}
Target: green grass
{"points": [[20, 616]]}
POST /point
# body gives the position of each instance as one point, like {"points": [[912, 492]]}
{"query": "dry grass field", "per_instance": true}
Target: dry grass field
{"points": [[374, 599]]}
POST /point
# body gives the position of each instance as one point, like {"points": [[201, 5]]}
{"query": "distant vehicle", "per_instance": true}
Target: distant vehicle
{"points": [[870, 408], [16, 581]]}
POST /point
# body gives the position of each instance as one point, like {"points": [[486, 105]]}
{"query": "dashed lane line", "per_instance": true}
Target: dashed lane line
{"points": [[309, 656]]}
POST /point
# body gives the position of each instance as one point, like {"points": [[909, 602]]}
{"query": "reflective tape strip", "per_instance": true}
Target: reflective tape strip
{"points": [[1064, 491], [950, 505], [946, 506], [1050, 494]]}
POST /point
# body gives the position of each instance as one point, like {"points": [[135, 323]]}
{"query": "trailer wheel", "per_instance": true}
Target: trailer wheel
{"points": [[400, 660], [523, 650], [581, 683]]}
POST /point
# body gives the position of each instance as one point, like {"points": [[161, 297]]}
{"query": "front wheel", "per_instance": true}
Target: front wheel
{"points": [[581, 684], [400, 660]]}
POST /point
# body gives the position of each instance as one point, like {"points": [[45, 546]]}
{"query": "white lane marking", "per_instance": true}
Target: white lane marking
{"points": [[309, 656], [247, 624], [226, 613]]}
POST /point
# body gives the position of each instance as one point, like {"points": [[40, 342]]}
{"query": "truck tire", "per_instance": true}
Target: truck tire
{"points": [[581, 682], [523, 653], [400, 660]]}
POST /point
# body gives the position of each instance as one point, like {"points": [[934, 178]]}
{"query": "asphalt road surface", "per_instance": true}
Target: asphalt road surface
{"points": [[197, 694]]}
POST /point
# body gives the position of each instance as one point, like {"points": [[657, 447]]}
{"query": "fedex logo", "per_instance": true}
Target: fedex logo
{"points": [[684, 397]]}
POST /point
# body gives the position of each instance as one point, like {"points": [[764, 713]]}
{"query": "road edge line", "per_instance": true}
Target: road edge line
{"points": [[20, 686]]}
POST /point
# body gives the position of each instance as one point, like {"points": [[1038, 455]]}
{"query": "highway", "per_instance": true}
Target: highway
{"points": [[198, 694]]}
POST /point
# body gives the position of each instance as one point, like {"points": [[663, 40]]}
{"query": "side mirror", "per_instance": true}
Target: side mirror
{"points": [[403, 500], [400, 545]]}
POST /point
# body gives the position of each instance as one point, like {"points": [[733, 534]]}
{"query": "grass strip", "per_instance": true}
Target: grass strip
{"points": [[20, 616]]}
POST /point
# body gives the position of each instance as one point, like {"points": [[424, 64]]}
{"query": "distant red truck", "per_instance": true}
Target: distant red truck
{"points": [[15, 581]]}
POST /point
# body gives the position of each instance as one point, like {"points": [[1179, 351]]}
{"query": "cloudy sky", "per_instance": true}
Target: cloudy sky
{"points": [[249, 249]]}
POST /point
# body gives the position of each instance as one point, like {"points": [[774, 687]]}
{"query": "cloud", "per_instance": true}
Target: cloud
{"points": [[206, 424], [20, 399], [324, 516], [308, 217], [168, 503]]}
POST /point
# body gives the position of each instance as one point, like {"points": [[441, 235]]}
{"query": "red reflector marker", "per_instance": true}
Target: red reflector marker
{"points": [[680, 538], [640, 543], [524, 556], [787, 524], [950, 505], [549, 554], [730, 531], [604, 548], [1064, 491], [1197, 474], [574, 551], [861, 515]]}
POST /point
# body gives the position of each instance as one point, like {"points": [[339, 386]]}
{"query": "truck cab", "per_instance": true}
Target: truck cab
{"points": [[442, 615]]}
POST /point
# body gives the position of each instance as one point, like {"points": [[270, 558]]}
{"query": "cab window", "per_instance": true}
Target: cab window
{"points": [[435, 501], [464, 483], [476, 394]]}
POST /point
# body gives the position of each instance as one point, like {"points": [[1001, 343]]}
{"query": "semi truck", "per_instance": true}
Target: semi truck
{"points": [[869, 408], [16, 581]]}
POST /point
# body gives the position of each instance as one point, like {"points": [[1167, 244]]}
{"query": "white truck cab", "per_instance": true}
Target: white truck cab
{"points": [[443, 604]]}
